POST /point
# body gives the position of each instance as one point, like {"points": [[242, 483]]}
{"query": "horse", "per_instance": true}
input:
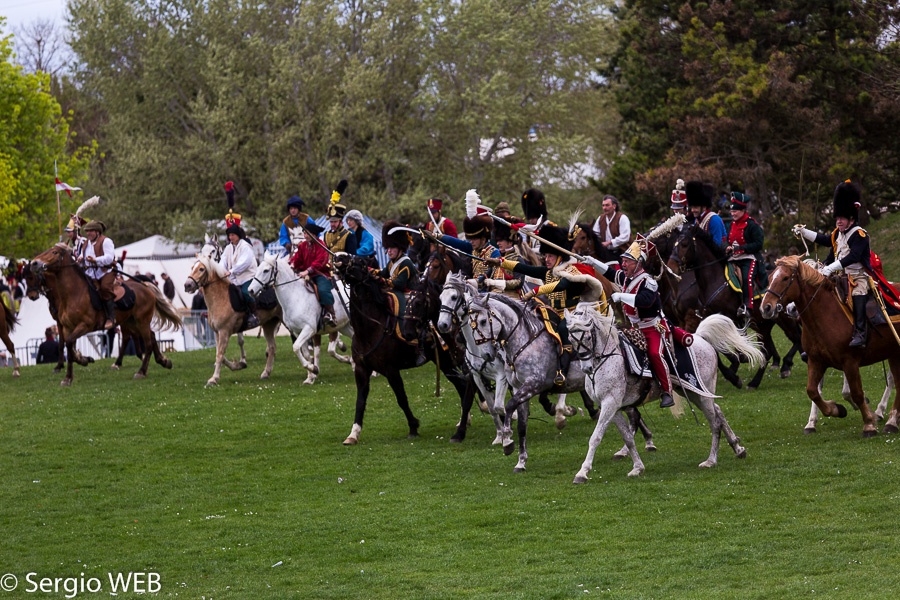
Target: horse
{"points": [[826, 335], [302, 314], [596, 343], [696, 252], [224, 320], [8, 321], [376, 347], [66, 282]]}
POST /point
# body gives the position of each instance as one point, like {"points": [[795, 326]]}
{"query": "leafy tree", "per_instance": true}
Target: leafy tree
{"points": [[33, 136]]}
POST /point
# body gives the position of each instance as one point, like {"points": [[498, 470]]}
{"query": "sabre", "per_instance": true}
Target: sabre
{"points": [[531, 234], [436, 241], [318, 241]]}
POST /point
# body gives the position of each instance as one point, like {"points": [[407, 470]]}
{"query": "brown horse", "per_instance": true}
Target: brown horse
{"points": [[224, 320], [8, 320], [66, 281], [826, 335]]}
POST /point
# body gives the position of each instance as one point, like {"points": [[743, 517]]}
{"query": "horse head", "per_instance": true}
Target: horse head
{"points": [[439, 265], [265, 275], [353, 269], [211, 248], [55, 257], [204, 272], [33, 282], [487, 327], [453, 301], [587, 324], [786, 283]]}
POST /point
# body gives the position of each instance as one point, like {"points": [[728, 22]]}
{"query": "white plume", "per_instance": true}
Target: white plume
{"points": [[679, 185], [89, 203], [472, 202], [573, 220], [666, 227]]}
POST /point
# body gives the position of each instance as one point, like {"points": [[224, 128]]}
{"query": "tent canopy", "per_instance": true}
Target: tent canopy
{"points": [[157, 247]]}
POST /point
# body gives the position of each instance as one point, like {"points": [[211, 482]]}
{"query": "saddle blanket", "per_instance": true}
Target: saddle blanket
{"points": [[124, 297], [265, 301], [683, 373]]}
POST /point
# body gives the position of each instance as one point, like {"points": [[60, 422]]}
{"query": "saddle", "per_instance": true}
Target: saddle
{"points": [[874, 314], [551, 321], [396, 302], [267, 300], [123, 297], [683, 372], [735, 280]]}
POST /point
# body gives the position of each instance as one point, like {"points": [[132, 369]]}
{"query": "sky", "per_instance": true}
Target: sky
{"points": [[22, 12]]}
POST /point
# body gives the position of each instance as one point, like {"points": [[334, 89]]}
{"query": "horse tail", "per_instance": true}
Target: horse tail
{"points": [[166, 316], [11, 319], [723, 335]]}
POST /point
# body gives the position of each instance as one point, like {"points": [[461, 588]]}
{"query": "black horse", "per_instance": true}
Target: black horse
{"points": [[376, 347]]}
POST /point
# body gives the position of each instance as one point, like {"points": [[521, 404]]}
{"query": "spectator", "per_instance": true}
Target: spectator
{"points": [[168, 287], [48, 351], [612, 226]]}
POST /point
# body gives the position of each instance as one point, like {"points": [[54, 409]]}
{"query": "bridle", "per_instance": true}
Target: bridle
{"points": [[780, 296], [584, 351]]}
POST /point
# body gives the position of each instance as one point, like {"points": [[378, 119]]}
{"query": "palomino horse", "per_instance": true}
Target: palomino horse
{"points": [[224, 320], [696, 251], [377, 348], [8, 320], [826, 335], [302, 312], [596, 342], [57, 271]]}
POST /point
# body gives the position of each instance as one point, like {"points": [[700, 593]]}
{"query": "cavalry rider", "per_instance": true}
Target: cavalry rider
{"points": [[643, 306], [337, 237], [74, 240], [239, 262], [534, 206], [477, 243], [399, 275], [565, 285], [700, 201], [312, 261], [296, 218], [745, 243], [98, 257], [364, 242], [444, 225], [850, 252], [501, 280]]}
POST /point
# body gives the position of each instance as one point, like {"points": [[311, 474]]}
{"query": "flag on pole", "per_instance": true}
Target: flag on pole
{"points": [[60, 187]]}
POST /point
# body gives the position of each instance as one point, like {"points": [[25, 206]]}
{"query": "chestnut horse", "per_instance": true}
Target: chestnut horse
{"points": [[7, 321], [826, 335], [66, 281]]}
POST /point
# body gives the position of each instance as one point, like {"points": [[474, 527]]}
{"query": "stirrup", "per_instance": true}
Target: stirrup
{"points": [[666, 401], [560, 379]]}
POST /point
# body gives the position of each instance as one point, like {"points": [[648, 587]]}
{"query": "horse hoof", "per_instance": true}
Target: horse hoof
{"points": [[751, 388], [309, 381], [619, 455], [570, 411], [90, 359], [635, 472], [241, 365], [841, 411], [454, 439], [113, 367], [809, 430], [65, 383], [579, 479], [867, 433], [16, 373], [519, 470], [139, 375], [742, 453], [650, 447], [212, 382], [412, 435], [739, 384], [509, 448], [785, 374], [890, 429], [351, 441], [560, 422], [264, 376], [707, 464]]}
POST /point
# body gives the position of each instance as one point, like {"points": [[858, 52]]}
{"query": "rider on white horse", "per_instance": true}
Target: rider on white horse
{"points": [[311, 260]]}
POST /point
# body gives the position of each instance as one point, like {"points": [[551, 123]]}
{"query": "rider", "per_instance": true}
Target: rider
{"points": [[98, 257], [296, 217], [564, 285], [239, 262], [338, 238], [73, 234], [642, 305], [364, 242], [679, 205], [312, 261], [501, 280], [445, 225], [745, 243], [399, 275], [700, 200], [477, 243], [850, 252]]}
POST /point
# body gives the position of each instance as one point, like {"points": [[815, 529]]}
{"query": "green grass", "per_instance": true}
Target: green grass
{"points": [[212, 487]]}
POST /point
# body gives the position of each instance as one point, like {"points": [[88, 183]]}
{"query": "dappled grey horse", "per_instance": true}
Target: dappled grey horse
{"points": [[595, 341]]}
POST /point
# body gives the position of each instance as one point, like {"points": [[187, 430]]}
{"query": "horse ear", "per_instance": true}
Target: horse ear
{"points": [[566, 314]]}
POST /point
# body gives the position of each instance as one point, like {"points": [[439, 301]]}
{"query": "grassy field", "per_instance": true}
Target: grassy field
{"points": [[245, 491]]}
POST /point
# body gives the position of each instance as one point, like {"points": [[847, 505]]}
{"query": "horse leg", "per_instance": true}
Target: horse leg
{"points": [[7, 341], [269, 333], [362, 376], [520, 396], [70, 358], [302, 351], [859, 399], [549, 408], [733, 440], [123, 345], [787, 365], [561, 411], [636, 421], [627, 432], [161, 359], [242, 364], [522, 426], [466, 388], [885, 397], [396, 382], [221, 346], [729, 374], [894, 420], [815, 372], [608, 408], [590, 405], [707, 406], [149, 346], [333, 339]]}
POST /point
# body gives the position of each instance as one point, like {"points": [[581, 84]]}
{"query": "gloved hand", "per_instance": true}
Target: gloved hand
{"points": [[599, 266], [528, 296], [494, 262], [832, 269], [802, 232], [616, 297], [495, 285]]}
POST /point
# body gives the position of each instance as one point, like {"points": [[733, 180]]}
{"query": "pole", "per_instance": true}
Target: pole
{"points": [[58, 207], [539, 238]]}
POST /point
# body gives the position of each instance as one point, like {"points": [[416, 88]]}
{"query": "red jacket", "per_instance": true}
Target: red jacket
{"points": [[311, 256]]}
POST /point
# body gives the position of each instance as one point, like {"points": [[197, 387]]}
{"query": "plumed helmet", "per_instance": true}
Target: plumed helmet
{"points": [[847, 200], [336, 211], [295, 201], [398, 239], [478, 226], [679, 196], [97, 226], [554, 235], [75, 223], [740, 201], [699, 194], [534, 205]]}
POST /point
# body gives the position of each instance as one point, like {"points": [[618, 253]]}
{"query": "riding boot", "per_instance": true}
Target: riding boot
{"points": [[665, 400], [328, 317], [859, 322], [251, 320], [564, 359], [110, 306]]}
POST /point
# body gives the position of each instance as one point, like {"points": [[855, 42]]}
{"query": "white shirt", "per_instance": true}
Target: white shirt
{"points": [[624, 230], [240, 261], [96, 270]]}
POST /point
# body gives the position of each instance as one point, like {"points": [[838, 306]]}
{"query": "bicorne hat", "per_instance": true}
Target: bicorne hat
{"points": [[478, 226], [398, 239]]}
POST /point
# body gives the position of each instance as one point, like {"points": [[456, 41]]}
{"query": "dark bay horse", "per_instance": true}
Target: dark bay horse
{"points": [[826, 335], [8, 320], [377, 348], [57, 270], [694, 251]]}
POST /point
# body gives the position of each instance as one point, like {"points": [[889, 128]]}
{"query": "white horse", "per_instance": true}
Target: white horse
{"points": [[302, 314], [595, 340]]}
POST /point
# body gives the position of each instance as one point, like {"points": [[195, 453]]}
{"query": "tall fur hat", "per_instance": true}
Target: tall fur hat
{"points": [[847, 200], [505, 232], [555, 235], [699, 194], [533, 204], [398, 239], [478, 226]]}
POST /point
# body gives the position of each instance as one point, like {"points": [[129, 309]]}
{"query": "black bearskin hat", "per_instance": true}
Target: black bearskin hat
{"points": [[398, 239], [699, 194], [478, 226], [554, 235], [847, 198], [533, 204], [505, 232]]}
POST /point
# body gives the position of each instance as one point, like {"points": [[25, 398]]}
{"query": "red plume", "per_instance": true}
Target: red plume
{"points": [[229, 192]]}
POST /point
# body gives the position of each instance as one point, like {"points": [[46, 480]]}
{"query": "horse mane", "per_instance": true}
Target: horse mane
{"points": [[807, 274], [707, 240]]}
